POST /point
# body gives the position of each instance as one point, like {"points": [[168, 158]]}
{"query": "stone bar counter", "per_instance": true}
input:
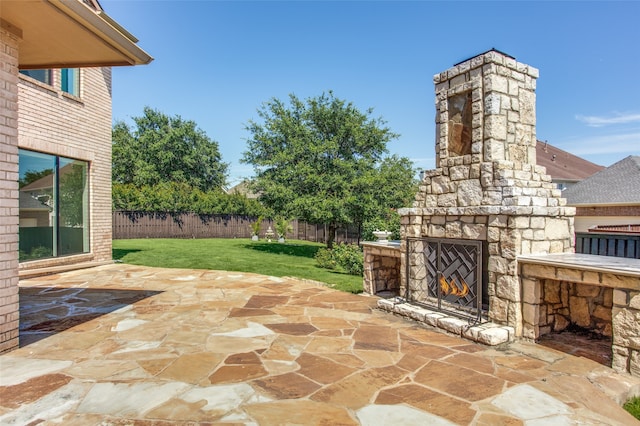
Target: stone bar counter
{"points": [[598, 293]]}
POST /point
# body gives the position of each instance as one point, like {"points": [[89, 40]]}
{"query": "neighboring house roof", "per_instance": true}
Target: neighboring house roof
{"points": [[27, 202], [618, 184], [562, 165], [243, 189], [46, 182]]}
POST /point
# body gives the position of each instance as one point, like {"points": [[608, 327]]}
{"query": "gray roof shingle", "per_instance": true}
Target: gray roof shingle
{"points": [[617, 184]]}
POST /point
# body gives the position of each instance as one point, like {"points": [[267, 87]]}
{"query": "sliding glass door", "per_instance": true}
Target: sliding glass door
{"points": [[54, 206]]}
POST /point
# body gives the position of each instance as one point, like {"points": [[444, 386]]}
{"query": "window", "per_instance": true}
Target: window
{"points": [[70, 81], [54, 206], [40, 75]]}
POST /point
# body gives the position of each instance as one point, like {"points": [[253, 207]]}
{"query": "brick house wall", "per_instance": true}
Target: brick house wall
{"points": [[41, 118], [592, 216], [54, 122], [9, 306]]}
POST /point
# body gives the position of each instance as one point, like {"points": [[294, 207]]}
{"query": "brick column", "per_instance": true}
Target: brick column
{"points": [[9, 306]]}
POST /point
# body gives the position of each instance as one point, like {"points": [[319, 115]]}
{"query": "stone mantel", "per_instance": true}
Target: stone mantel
{"points": [[487, 211]]}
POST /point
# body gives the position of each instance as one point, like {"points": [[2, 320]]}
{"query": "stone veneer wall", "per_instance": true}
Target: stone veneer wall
{"points": [[563, 304], [591, 216], [626, 326], [55, 122], [9, 306], [381, 268], [487, 185]]}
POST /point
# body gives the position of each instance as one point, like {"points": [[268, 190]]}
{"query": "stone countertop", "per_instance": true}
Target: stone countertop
{"points": [[392, 244], [590, 262]]}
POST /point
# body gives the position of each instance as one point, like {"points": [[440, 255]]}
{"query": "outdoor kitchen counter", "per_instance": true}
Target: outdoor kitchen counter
{"points": [[586, 262], [619, 312], [391, 244]]}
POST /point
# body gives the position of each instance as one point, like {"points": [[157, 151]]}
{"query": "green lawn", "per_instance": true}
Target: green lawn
{"points": [[633, 407], [293, 258]]}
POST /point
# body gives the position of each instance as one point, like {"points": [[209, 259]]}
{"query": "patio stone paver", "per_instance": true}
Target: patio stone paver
{"points": [[430, 401], [459, 381], [122, 344]]}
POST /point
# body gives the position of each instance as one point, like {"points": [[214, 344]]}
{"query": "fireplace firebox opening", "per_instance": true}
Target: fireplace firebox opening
{"points": [[448, 275]]}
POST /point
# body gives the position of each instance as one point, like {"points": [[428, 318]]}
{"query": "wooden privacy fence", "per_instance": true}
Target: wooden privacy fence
{"points": [[131, 224]]}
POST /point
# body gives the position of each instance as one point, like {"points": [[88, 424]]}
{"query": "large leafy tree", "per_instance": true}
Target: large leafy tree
{"points": [[391, 184], [320, 160], [161, 149]]}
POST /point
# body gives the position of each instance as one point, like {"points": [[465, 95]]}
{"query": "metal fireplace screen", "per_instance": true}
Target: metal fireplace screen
{"points": [[445, 274]]}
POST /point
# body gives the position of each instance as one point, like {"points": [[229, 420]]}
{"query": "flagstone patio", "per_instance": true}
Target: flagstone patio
{"points": [[122, 344]]}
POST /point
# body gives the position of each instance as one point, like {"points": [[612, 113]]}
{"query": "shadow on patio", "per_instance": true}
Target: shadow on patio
{"points": [[45, 311]]}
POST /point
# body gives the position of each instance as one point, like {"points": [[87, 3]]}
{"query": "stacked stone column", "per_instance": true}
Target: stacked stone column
{"points": [[487, 185], [626, 326]]}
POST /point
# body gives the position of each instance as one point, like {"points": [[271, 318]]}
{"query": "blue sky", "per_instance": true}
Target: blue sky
{"points": [[216, 62]]}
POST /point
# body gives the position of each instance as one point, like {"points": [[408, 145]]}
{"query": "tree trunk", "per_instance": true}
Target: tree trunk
{"points": [[331, 235]]}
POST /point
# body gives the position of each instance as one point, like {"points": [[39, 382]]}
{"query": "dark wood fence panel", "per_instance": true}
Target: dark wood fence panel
{"points": [[614, 244], [129, 224]]}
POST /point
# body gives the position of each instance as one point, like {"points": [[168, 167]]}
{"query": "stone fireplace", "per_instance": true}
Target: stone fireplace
{"points": [[489, 235], [486, 186]]}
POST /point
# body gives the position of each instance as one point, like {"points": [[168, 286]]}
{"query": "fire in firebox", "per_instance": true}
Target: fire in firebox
{"points": [[449, 288]]}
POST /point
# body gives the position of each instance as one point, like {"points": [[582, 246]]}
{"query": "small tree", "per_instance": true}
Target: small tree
{"points": [[255, 227], [282, 227]]}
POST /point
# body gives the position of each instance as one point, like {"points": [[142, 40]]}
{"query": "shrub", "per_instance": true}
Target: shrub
{"points": [[324, 259], [346, 257], [350, 258], [176, 197], [41, 251], [38, 252], [389, 222]]}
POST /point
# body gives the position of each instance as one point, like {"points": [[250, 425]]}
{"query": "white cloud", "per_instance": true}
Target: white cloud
{"points": [[616, 118], [624, 143], [424, 163]]}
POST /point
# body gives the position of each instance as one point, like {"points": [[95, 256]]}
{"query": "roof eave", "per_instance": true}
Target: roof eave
{"points": [[105, 28], [68, 34]]}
